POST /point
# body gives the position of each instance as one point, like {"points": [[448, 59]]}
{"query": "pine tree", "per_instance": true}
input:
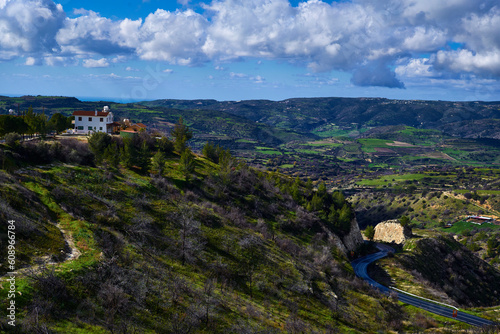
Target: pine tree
{"points": [[181, 134], [187, 163], [369, 232], [158, 162]]}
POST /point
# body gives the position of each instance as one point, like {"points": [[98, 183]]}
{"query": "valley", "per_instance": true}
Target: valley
{"points": [[257, 231]]}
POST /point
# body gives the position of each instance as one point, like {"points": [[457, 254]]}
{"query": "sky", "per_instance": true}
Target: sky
{"points": [[251, 49]]}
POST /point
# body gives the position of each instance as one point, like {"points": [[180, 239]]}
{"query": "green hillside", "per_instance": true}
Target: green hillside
{"points": [[105, 248]]}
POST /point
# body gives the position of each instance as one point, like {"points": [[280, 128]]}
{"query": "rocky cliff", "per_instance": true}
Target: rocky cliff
{"points": [[392, 231], [351, 241]]}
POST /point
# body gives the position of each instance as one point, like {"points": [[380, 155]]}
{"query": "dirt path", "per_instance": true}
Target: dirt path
{"points": [[72, 255]]}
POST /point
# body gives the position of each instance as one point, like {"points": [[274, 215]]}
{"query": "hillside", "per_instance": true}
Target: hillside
{"points": [[227, 249], [314, 114], [442, 269], [326, 139], [141, 233]]}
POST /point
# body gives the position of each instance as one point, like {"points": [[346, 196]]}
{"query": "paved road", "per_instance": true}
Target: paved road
{"points": [[360, 268]]}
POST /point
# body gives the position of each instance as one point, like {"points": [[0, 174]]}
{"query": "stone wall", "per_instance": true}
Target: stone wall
{"points": [[392, 231]]}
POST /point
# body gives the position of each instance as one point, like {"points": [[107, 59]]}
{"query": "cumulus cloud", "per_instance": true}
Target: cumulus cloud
{"points": [[173, 37], [92, 34], [378, 41], [485, 64], [30, 61], [29, 26], [90, 63], [415, 68]]}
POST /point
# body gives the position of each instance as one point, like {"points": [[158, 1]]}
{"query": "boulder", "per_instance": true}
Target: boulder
{"points": [[392, 231]]}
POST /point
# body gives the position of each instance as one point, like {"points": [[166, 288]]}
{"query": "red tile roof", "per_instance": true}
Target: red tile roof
{"points": [[90, 113]]}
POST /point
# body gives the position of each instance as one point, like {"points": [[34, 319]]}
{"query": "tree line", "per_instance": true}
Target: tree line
{"points": [[32, 123]]}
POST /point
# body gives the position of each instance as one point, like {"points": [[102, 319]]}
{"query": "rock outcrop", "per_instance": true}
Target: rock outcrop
{"points": [[351, 241], [392, 231]]}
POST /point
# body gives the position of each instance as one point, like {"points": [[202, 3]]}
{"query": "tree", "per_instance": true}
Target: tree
{"points": [[190, 243], [10, 124], [165, 145], [316, 202], [251, 257], [345, 217], [295, 190], [187, 163], [369, 232], [158, 162], [321, 192], [338, 199], [58, 122], [112, 155], [491, 244], [98, 143], [210, 152], [181, 134], [129, 153], [404, 221], [37, 123], [144, 157]]}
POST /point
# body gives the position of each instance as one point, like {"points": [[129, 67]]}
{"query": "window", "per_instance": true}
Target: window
{"points": [[90, 128], [80, 119], [80, 127], [102, 120], [100, 128], [90, 119]]}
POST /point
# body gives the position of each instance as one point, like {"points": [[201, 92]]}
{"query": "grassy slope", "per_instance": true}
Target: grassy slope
{"points": [[235, 274]]}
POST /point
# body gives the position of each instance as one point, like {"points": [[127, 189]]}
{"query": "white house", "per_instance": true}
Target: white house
{"points": [[94, 121]]}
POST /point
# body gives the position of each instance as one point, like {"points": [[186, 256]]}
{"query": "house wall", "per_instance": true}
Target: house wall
{"points": [[86, 124]]}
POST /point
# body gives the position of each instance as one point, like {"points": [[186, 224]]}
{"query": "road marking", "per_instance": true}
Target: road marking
{"points": [[430, 300]]}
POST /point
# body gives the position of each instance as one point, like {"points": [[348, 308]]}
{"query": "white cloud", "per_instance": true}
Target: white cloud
{"points": [[365, 37], [258, 79], [168, 70], [29, 27], [425, 39], [30, 61], [90, 63], [415, 68], [485, 64], [237, 75], [174, 37]]}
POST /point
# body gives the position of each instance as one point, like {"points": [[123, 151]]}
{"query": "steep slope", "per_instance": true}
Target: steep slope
{"points": [[228, 251]]}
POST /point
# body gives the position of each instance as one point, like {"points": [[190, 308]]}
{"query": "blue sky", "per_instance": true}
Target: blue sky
{"points": [[259, 49]]}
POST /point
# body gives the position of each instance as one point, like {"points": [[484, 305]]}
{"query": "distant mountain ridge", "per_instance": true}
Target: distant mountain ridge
{"points": [[308, 114], [304, 116]]}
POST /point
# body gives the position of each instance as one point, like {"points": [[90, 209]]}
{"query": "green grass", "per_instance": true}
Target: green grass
{"points": [[383, 180], [286, 166], [462, 226], [369, 144]]}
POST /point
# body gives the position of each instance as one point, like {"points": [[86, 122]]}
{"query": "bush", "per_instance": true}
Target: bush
{"points": [[12, 139]]}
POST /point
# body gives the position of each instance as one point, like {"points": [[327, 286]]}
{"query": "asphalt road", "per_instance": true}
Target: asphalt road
{"points": [[360, 268]]}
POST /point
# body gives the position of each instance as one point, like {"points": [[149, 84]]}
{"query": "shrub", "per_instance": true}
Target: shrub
{"points": [[12, 139]]}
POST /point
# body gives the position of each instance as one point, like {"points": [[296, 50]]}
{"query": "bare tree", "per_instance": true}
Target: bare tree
{"points": [[190, 243]]}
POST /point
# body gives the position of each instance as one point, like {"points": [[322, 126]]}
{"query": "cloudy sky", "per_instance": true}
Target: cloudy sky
{"points": [[251, 49]]}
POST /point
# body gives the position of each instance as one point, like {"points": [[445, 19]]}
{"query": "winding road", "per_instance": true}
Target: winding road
{"points": [[360, 268]]}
